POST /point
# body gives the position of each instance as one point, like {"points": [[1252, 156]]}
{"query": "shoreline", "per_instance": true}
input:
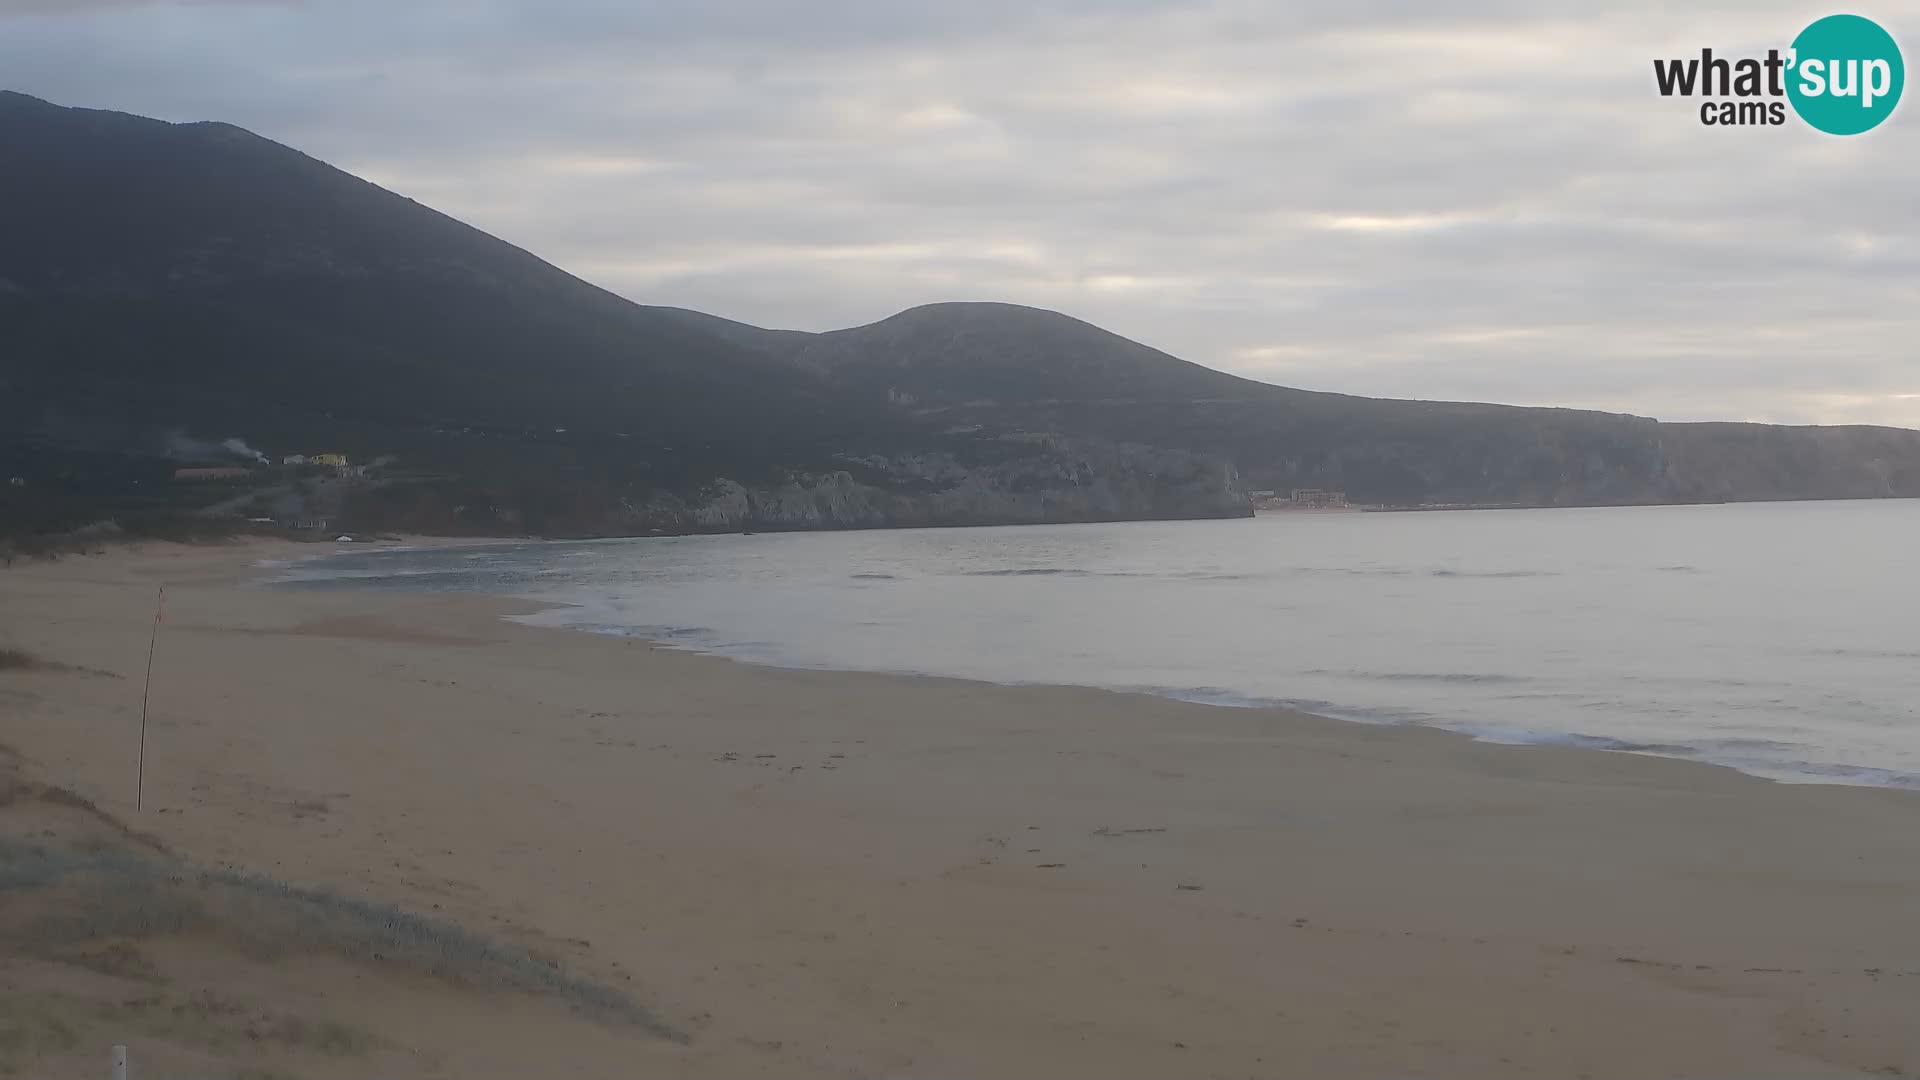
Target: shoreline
{"points": [[819, 873], [1852, 776], [1801, 772]]}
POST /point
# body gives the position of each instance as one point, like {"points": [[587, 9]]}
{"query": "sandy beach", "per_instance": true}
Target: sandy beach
{"points": [[802, 873]]}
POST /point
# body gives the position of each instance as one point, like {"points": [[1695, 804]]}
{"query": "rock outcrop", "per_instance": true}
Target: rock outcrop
{"points": [[1056, 480]]}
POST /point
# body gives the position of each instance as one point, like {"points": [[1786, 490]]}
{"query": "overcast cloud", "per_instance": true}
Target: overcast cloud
{"points": [[1479, 200]]}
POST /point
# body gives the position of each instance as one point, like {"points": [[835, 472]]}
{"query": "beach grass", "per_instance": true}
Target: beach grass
{"points": [[99, 898]]}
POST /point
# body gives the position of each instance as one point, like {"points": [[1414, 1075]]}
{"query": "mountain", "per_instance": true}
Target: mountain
{"points": [[1007, 353], [200, 268], [1019, 367], [164, 284], [194, 293]]}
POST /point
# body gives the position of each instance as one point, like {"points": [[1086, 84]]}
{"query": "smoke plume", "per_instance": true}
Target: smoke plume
{"points": [[183, 447]]}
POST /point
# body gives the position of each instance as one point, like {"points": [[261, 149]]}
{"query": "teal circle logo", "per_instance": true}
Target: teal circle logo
{"points": [[1847, 75]]}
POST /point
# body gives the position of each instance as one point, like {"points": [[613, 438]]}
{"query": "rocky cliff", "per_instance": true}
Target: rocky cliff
{"points": [[1033, 480], [1062, 481]]}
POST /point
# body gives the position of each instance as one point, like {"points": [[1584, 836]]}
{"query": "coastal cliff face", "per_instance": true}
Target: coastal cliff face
{"points": [[1031, 480], [1573, 459], [1743, 462], [1083, 483]]}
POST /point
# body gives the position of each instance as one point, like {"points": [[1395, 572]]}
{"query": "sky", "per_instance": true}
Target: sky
{"points": [[1478, 200]]}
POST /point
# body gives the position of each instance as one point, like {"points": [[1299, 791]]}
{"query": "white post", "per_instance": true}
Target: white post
{"points": [[119, 1063]]}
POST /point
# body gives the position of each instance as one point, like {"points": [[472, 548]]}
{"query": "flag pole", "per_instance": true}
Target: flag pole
{"points": [[146, 692]]}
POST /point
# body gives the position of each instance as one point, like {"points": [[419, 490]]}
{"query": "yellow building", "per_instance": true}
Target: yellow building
{"points": [[337, 461]]}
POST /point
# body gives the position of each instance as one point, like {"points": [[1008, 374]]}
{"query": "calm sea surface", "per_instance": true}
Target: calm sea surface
{"points": [[1782, 639]]}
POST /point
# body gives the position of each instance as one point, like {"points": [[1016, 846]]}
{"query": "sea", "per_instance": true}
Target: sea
{"points": [[1781, 639]]}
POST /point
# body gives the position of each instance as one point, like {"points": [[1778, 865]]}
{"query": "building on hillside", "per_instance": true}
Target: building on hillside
{"points": [[294, 459], [1315, 499], [332, 461]]}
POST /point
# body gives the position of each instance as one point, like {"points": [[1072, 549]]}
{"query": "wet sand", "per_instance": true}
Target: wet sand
{"points": [[823, 874]]}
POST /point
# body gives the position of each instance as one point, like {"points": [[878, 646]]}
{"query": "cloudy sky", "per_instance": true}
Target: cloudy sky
{"points": [[1482, 200]]}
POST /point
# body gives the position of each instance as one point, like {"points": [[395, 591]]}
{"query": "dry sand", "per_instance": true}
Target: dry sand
{"points": [[820, 874]]}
